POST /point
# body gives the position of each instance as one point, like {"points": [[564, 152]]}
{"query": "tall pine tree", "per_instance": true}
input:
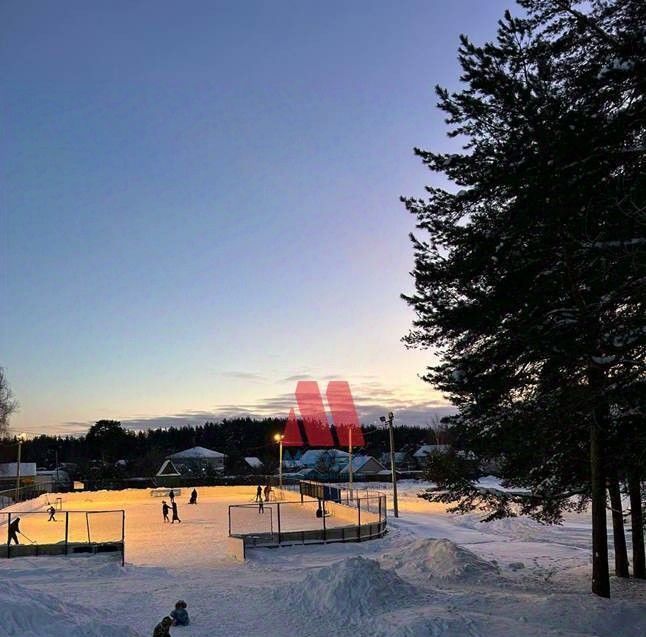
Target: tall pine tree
{"points": [[530, 274]]}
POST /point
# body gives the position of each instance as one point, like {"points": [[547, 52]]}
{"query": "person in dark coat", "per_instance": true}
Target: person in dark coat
{"points": [[193, 499], [259, 494], [171, 495], [51, 512], [175, 516], [165, 510], [14, 528], [267, 492], [163, 628], [180, 614]]}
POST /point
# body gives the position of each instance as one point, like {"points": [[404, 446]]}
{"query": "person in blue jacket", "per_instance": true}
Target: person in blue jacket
{"points": [[180, 614]]}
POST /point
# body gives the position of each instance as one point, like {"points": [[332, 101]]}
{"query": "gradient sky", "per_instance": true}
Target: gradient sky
{"points": [[199, 202]]}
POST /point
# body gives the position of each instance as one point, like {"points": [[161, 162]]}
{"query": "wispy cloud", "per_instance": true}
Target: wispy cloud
{"points": [[244, 376], [371, 399]]}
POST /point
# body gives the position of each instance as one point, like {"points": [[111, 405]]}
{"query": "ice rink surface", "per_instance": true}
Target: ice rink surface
{"points": [[433, 574]]}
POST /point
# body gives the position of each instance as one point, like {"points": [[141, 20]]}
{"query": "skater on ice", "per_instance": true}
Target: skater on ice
{"points": [[175, 516], [261, 506], [193, 499], [180, 614], [259, 493], [51, 512], [163, 628], [165, 510], [14, 528], [267, 492], [171, 495]]}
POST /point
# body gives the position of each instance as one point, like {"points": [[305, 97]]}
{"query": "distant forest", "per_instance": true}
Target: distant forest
{"points": [[108, 442]]}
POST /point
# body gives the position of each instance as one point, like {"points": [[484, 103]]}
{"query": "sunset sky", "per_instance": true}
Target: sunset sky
{"points": [[200, 202]]}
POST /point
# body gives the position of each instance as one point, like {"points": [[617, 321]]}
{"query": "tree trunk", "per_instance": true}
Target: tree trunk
{"points": [[619, 536], [637, 523], [600, 574]]}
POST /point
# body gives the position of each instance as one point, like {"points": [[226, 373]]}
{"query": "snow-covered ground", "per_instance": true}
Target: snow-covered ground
{"points": [[433, 574]]}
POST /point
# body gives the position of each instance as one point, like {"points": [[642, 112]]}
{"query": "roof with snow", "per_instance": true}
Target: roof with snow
{"points": [[254, 463], [10, 469], [197, 453], [364, 464], [311, 457], [425, 450]]}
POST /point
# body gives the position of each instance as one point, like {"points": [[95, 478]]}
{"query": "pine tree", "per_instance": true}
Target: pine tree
{"points": [[530, 281]]}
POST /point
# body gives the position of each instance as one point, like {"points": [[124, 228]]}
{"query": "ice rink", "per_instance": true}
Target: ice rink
{"points": [[199, 540]]}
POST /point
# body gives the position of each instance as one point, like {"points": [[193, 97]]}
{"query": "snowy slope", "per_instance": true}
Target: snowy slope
{"points": [[433, 574]]}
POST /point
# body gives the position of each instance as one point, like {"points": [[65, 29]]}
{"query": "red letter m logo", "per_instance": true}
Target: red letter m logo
{"points": [[318, 432]]}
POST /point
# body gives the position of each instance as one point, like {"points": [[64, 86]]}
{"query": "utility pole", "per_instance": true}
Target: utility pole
{"points": [[392, 459], [350, 463], [18, 470]]}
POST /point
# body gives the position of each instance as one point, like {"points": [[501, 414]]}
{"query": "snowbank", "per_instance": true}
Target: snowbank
{"points": [[28, 613], [352, 588], [442, 560]]}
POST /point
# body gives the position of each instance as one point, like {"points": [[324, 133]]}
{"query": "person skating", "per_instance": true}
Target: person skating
{"points": [[261, 506], [163, 628], [51, 512], [193, 499], [180, 614], [14, 528], [175, 516], [165, 510], [171, 495], [259, 493], [267, 492]]}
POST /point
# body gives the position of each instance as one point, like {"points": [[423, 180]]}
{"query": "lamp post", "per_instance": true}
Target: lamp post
{"points": [[392, 459], [279, 439]]}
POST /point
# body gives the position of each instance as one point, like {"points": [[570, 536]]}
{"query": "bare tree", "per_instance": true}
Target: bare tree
{"points": [[7, 403]]}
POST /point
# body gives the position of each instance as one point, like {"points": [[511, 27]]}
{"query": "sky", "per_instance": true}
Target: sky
{"points": [[199, 203]]}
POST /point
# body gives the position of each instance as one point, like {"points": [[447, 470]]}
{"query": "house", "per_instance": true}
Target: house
{"points": [[426, 450], [9, 474], [329, 464], [363, 466], [255, 464], [51, 480], [404, 461], [194, 462], [323, 459]]}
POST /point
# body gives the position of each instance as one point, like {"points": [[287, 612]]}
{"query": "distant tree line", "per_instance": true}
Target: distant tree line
{"points": [[97, 453]]}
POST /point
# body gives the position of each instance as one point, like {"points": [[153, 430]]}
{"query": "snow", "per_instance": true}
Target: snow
{"points": [[196, 452], [351, 588], [432, 574]]}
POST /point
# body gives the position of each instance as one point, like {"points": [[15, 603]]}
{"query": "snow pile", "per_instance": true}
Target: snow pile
{"points": [[442, 560], [354, 587], [28, 613]]}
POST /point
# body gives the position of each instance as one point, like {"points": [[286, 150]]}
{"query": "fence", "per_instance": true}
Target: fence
{"points": [[26, 492], [323, 514], [29, 533]]}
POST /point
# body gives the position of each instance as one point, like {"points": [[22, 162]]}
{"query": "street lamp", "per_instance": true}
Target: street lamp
{"points": [[279, 439], [392, 459]]}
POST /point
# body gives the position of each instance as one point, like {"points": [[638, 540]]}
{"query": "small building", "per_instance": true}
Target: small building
{"points": [[425, 451], [52, 480], [9, 474], [404, 461], [194, 462], [363, 467]]}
